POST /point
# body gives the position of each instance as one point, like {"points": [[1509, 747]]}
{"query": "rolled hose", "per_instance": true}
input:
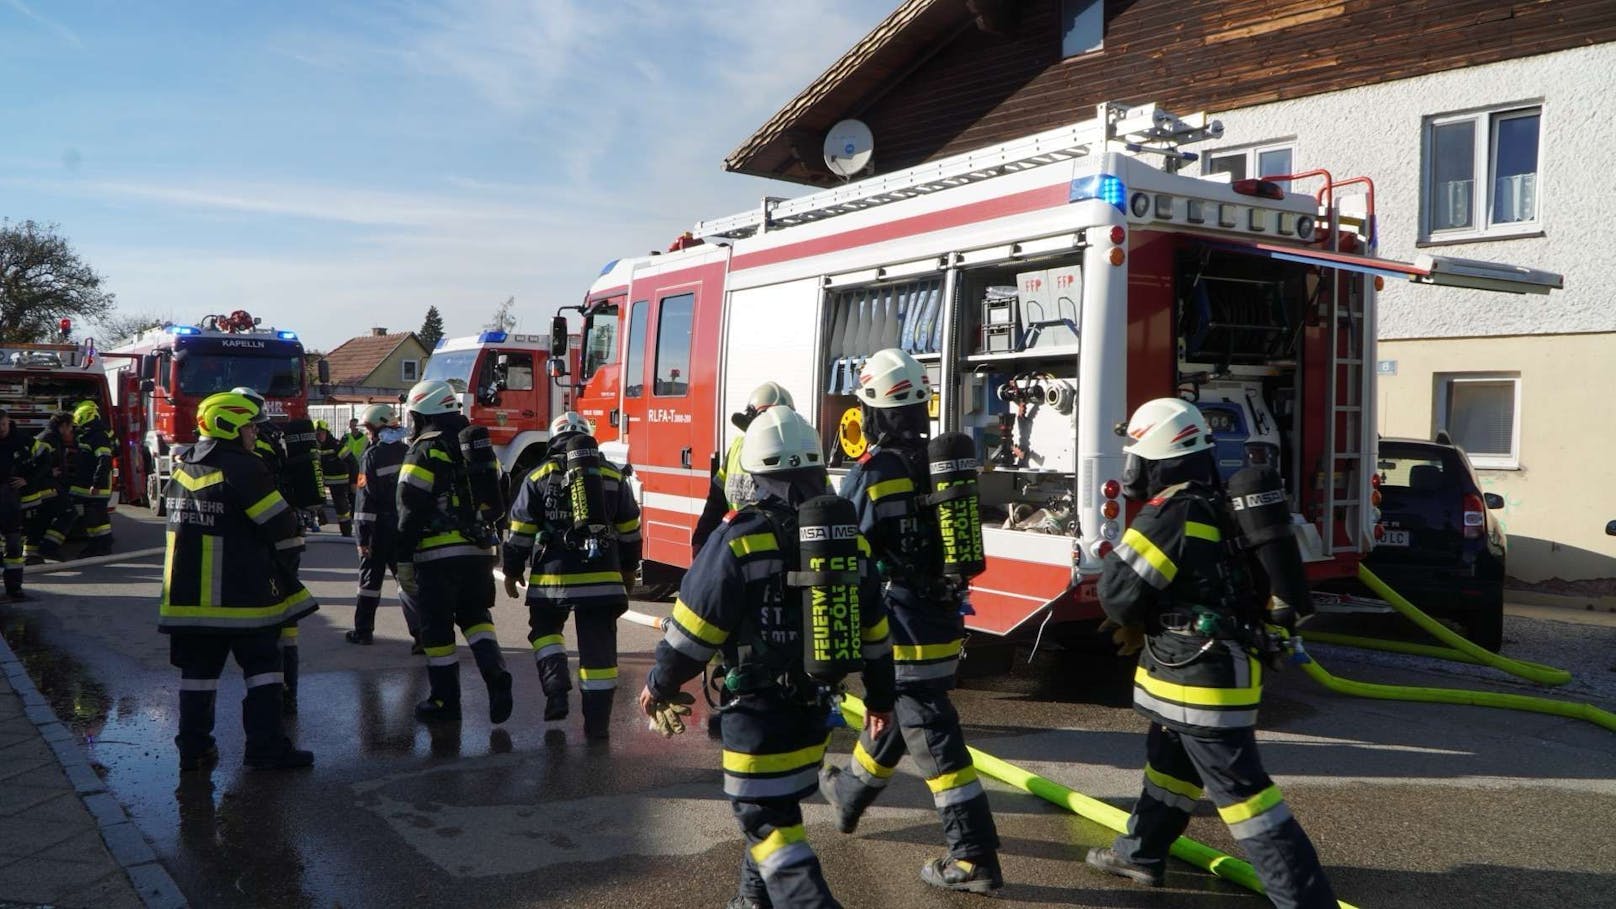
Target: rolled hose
{"points": [[1198, 854]]}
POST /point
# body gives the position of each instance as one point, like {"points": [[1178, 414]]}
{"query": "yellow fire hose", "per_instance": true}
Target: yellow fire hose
{"points": [[1198, 854]]}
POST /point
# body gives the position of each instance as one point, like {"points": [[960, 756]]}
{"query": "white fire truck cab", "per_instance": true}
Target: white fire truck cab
{"points": [[1050, 285], [502, 381]]}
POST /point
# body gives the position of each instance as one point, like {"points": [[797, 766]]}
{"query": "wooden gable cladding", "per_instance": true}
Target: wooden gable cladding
{"points": [[980, 88]]}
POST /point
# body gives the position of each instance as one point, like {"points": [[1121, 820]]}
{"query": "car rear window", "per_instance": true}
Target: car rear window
{"points": [[1416, 469]]}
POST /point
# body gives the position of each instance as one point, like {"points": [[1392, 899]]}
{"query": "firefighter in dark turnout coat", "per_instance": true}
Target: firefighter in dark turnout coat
{"points": [[50, 507], [1173, 587], [928, 632], [16, 448], [734, 599], [376, 521], [92, 477], [336, 466], [225, 589], [573, 573]]}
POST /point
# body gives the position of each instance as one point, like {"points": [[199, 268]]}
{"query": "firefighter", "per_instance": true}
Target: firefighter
{"points": [[1173, 586], [336, 466], [225, 589], [353, 445], [735, 599], [376, 520], [732, 487], [15, 452], [928, 632], [574, 570], [47, 497], [445, 556], [92, 477]]}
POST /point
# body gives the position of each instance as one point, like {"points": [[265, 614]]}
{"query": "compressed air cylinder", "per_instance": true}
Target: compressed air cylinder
{"points": [[585, 492], [829, 559], [301, 474], [483, 473], [954, 498], [1257, 498]]}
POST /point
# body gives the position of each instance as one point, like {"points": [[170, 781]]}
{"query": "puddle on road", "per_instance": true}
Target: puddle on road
{"points": [[77, 698]]}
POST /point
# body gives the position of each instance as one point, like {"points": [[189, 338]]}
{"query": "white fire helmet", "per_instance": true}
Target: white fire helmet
{"points": [[377, 416], [780, 440], [433, 396], [571, 421], [769, 394], [892, 378], [1167, 428]]}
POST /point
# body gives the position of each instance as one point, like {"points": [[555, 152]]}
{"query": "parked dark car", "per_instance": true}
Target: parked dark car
{"points": [[1438, 543]]}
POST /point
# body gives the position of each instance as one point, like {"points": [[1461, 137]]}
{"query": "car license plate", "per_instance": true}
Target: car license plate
{"points": [[1394, 538]]}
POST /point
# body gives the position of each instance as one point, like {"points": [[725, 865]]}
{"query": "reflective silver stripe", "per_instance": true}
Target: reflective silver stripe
{"points": [[596, 684], [1242, 664], [1262, 823], [688, 646], [270, 512], [199, 684], [289, 543], [549, 650], [364, 517], [958, 795], [922, 672], [876, 651], [561, 591], [453, 550], [480, 636], [371, 591], [785, 857], [755, 787], [447, 660], [865, 777], [1141, 566], [264, 678], [1170, 799], [387, 471], [1194, 716], [413, 480]]}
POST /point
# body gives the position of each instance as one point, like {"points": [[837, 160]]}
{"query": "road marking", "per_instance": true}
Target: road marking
{"points": [[95, 560]]}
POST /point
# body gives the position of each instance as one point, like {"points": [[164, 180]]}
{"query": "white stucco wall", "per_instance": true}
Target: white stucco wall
{"points": [[1377, 131]]}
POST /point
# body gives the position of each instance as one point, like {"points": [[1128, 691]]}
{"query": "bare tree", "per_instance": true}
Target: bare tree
{"points": [[116, 327], [504, 318], [42, 280]]}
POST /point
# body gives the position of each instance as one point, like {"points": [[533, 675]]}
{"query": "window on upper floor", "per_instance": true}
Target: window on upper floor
{"points": [[1262, 161], [1481, 173], [409, 370], [1082, 26]]}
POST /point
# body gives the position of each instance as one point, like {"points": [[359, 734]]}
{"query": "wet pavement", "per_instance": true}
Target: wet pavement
{"points": [[1409, 804]]}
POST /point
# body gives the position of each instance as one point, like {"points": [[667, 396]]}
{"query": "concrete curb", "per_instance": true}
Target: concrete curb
{"points": [[124, 840]]}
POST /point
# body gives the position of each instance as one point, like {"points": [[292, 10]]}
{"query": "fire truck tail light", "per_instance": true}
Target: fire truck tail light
{"points": [[1111, 489], [1107, 188], [1102, 549], [1118, 235], [1110, 510], [1380, 532], [1260, 188], [1374, 497], [1117, 256]]}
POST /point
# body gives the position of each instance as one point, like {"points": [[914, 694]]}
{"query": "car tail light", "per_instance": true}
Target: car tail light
{"points": [[1475, 516], [1374, 497]]}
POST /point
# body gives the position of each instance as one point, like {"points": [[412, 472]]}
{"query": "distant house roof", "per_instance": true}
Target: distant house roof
{"points": [[352, 362]]}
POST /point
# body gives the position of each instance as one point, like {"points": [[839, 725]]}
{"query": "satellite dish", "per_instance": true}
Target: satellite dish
{"points": [[848, 147]]}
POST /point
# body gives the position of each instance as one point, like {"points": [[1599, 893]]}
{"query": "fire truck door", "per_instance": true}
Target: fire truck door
{"points": [[515, 402], [663, 447]]}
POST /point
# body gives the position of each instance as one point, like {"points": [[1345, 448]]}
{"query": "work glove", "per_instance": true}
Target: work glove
{"points": [[667, 717], [406, 578], [1130, 639], [511, 585]]}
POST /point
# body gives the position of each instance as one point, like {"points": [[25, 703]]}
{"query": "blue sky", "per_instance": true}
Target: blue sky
{"points": [[331, 166]]}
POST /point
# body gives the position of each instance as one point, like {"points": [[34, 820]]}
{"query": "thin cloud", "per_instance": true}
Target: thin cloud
{"points": [[51, 25]]}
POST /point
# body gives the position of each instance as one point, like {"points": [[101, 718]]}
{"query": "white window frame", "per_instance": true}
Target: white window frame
{"points": [[404, 372], [1484, 126], [1440, 409], [1251, 154]]}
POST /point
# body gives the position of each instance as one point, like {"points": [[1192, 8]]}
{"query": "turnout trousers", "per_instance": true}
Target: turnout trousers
{"points": [[1178, 765], [342, 505], [97, 524], [773, 747], [49, 524], [596, 627], [458, 590], [11, 517], [927, 728], [200, 658], [373, 569]]}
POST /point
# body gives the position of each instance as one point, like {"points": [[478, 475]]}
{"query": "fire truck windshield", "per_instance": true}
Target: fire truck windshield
{"points": [[206, 373], [452, 366]]}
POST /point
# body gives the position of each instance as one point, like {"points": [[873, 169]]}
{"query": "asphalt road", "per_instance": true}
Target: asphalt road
{"points": [[1409, 805]]}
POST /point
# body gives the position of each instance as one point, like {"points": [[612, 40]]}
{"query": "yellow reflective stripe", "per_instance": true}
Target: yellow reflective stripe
{"points": [[1203, 532], [442, 539], [204, 592], [547, 640], [524, 527], [1151, 553], [586, 674], [953, 780], [417, 471], [1203, 697], [484, 626], [870, 764], [263, 505], [878, 491], [876, 632], [696, 626], [629, 526], [740, 762], [1172, 783], [233, 612], [611, 473], [914, 653], [1250, 808], [289, 633], [582, 577], [211, 478], [754, 542], [168, 566], [864, 546], [779, 839], [445, 650], [440, 455], [545, 469]]}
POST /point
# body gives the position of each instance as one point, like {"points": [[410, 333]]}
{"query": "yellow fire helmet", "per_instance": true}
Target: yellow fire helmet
{"points": [[221, 416]]}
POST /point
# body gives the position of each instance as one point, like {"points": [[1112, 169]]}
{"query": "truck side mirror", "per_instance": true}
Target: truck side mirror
{"points": [[148, 366], [147, 386], [558, 337], [1610, 528], [323, 369]]}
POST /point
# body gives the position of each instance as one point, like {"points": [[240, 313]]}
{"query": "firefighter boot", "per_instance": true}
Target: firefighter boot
{"points": [[289, 672], [1106, 859], [846, 796], [268, 748], [346, 527], [443, 705], [195, 741], [491, 663], [978, 875], [597, 707], [554, 678]]}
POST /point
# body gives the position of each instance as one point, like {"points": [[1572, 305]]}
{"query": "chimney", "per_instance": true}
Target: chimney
{"points": [[378, 332]]}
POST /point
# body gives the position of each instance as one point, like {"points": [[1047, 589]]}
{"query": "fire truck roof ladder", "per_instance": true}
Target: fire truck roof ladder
{"points": [[1116, 126]]}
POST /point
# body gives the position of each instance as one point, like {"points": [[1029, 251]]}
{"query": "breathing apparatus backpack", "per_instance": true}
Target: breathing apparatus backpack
{"points": [[1265, 559], [300, 473], [457, 509], [586, 493], [482, 473], [956, 505]]}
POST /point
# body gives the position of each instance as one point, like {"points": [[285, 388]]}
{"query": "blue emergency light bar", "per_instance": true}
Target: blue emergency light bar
{"points": [[286, 335], [491, 337], [185, 330], [1105, 187]]}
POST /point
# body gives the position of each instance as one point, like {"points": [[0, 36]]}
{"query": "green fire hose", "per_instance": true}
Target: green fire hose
{"points": [[1198, 854]]}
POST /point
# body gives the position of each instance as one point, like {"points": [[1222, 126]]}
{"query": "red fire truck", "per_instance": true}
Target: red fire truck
{"points": [[1050, 285], [161, 375], [37, 380]]}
